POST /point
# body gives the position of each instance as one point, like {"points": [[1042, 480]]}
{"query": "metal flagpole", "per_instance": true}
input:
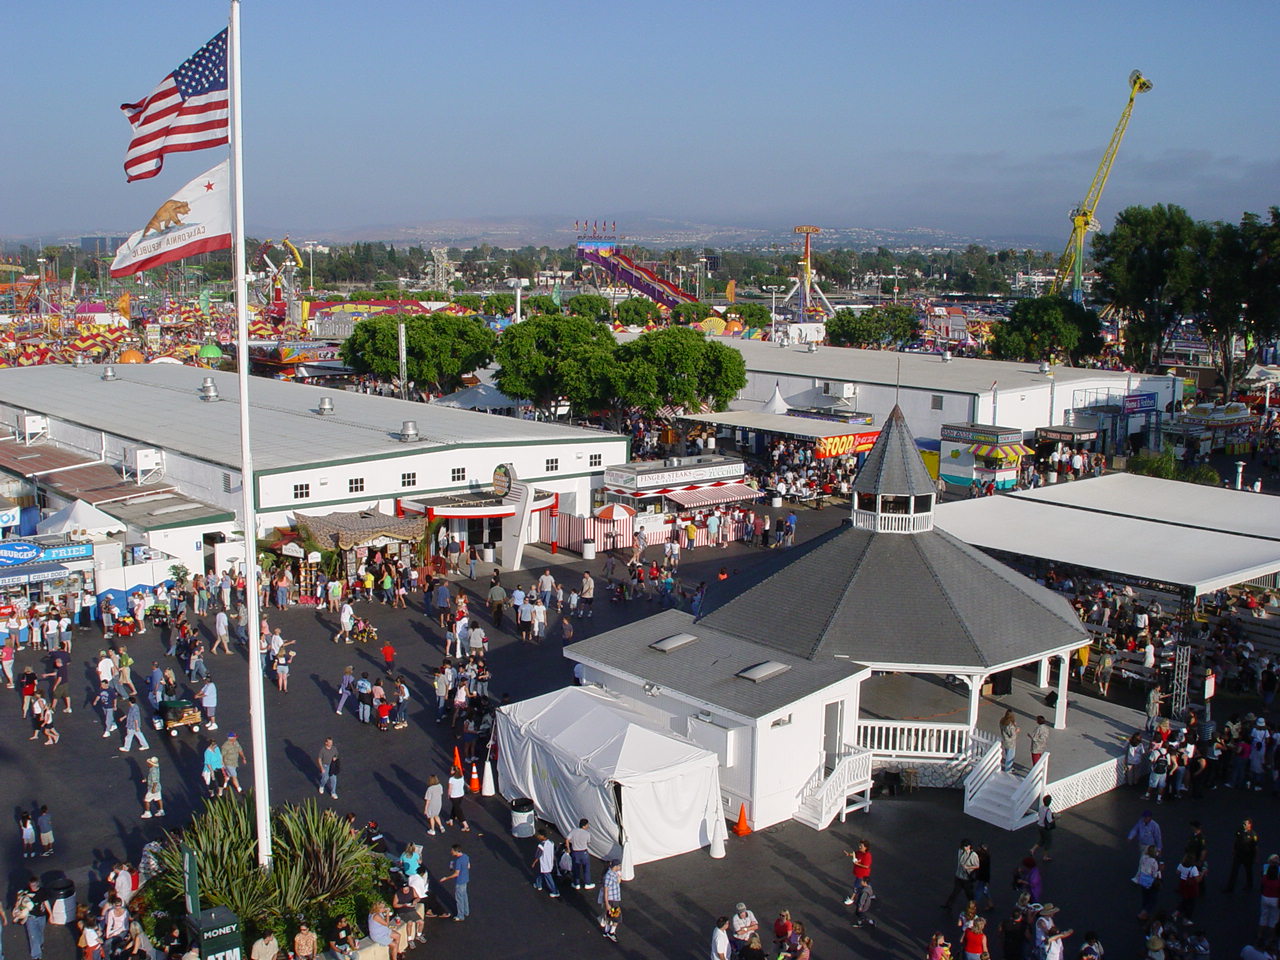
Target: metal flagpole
{"points": [[249, 523]]}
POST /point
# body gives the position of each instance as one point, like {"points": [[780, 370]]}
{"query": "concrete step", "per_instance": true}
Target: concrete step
{"points": [[809, 815]]}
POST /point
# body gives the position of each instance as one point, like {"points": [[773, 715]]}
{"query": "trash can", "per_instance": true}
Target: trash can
{"points": [[62, 901], [523, 818], [487, 552], [1208, 731], [775, 502], [588, 549]]}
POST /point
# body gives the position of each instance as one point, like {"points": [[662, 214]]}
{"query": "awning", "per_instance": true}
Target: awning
{"points": [[1000, 451], [710, 496], [36, 573]]}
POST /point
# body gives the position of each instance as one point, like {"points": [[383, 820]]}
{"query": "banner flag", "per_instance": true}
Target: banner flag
{"points": [[196, 219]]}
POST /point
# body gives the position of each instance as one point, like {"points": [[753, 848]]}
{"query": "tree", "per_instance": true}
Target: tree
{"points": [[1045, 328], [541, 303], [690, 312], [469, 301], [677, 366], [589, 305], [435, 296], [547, 357], [1166, 467], [500, 304], [638, 312], [440, 349], [893, 323], [751, 314], [1147, 269], [1237, 282]]}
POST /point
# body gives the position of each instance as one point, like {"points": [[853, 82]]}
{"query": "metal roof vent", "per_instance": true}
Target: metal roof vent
{"points": [[80, 360], [408, 431], [763, 671], [813, 346], [208, 390], [673, 642], [326, 406], [108, 372], [946, 356]]}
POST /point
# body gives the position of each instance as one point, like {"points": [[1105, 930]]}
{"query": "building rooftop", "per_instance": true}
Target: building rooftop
{"points": [[158, 405], [893, 467], [918, 371], [710, 667], [163, 511]]}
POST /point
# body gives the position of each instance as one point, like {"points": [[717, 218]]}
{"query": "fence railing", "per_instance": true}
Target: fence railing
{"points": [[915, 739]]}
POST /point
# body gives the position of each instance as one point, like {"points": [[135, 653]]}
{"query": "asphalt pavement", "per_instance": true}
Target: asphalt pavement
{"points": [[94, 794]]}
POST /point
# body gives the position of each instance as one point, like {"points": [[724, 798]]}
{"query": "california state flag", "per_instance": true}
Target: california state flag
{"points": [[196, 219]]}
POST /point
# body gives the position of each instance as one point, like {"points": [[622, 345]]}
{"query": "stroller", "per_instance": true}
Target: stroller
{"points": [[862, 903], [364, 631]]}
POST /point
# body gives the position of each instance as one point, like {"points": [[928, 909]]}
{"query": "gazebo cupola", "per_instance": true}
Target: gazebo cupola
{"points": [[893, 492]]}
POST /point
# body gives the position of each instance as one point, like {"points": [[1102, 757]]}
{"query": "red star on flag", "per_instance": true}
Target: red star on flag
{"points": [[208, 187]]}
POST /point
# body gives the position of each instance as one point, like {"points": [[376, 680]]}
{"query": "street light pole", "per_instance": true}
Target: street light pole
{"points": [[311, 268]]}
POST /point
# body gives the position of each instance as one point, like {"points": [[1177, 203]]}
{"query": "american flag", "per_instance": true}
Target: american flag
{"points": [[188, 111]]}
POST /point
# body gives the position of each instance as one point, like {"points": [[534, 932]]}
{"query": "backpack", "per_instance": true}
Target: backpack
{"points": [[1161, 764]]}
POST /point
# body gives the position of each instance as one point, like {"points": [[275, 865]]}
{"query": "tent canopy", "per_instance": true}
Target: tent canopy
{"points": [[79, 517], [581, 752], [483, 396], [1170, 554]]}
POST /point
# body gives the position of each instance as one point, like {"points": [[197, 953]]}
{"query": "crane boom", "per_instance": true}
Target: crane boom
{"points": [[1071, 265]]}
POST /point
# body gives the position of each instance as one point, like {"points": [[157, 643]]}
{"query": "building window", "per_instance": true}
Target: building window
{"points": [[226, 483], [408, 479], [301, 491], [935, 402], [595, 460], [355, 485], [458, 474], [553, 464]]}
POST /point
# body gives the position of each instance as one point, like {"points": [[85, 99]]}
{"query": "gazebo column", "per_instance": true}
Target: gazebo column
{"points": [[1042, 677], [974, 680], [1060, 708]]}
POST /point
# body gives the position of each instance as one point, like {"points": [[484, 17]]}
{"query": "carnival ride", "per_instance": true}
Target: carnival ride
{"points": [[603, 252], [810, 303], [276, 287], [1071, 265]]}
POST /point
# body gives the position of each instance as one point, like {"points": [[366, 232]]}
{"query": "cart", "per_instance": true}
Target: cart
{"points": [[176, 714]]}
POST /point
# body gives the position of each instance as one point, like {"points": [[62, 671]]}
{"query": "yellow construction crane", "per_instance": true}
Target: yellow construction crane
{"points": [[1071, 266]]}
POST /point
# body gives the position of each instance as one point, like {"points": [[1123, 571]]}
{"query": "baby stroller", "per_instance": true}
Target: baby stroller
{"points": [[364, 631], [862, 902]]}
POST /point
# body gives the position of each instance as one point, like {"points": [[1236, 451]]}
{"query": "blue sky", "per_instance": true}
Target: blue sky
{"points": [[981, 117]]}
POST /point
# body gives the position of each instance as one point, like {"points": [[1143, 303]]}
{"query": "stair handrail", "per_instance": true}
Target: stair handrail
{"points": [[853, 767], [1031, 790], [983, 770]]}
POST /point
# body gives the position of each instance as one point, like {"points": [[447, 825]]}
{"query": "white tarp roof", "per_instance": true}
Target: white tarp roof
{"points": [[568, 750], [809, 428], [482, 396], [1204, 560], [79, 517], [1168, 501]]}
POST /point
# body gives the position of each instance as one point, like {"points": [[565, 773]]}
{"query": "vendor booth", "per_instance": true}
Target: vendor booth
{"points": [[41, 570], [981, 452], [581, 752], [359, 535], [659, 490], [1209, 427]]}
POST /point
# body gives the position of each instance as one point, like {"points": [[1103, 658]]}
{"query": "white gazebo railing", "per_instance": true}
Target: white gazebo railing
{"points": [[917, 739], [893, 522], [986, 768]]}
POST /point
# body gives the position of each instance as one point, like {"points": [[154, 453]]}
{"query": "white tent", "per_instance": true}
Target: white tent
{"points": [[80, 518], [581, 752], [775, 403]]}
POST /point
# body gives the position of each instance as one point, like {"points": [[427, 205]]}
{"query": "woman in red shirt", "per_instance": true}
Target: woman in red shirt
{"points": [[975, 940]]}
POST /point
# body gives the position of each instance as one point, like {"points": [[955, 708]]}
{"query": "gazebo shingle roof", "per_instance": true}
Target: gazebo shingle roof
{"points": [[894, 466]]}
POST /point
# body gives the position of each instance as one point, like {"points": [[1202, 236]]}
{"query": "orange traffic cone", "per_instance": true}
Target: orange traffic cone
{"points": [[474, 785], [741, 828], [457, 760]]}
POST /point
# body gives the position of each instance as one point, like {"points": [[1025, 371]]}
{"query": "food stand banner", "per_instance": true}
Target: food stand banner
{"points": [[839, 446], [14, 552]]}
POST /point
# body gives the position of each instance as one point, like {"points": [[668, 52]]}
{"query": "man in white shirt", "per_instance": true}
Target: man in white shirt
{"points": [[347, 618], [544, 864], [578, 841], [742, 926], [720, 940], [546, 587], [221, 632]]}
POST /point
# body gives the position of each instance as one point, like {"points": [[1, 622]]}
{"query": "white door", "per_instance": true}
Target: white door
{"points": [[832, 732]]}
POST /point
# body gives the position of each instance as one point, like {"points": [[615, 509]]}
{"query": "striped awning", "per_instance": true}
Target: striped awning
{"points": [[1000, 451], [710, 496]]}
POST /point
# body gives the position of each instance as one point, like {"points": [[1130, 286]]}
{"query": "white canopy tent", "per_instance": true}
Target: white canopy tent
{"points": [[80, 518], [581, 752], [1191, 558]]}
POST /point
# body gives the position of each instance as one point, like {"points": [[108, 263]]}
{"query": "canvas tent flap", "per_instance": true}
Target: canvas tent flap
{"points": [[580, 752], [79, 516]]}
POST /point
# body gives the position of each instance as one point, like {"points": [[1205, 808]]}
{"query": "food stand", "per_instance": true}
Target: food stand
{"points": [[1210, 427], [37, 571], [982, 452]]}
